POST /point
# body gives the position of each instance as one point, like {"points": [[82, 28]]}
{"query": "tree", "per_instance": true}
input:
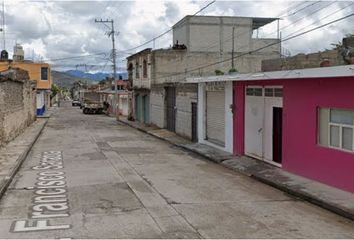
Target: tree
{"points": [[102, 82], [339, 45], [55, 90]]}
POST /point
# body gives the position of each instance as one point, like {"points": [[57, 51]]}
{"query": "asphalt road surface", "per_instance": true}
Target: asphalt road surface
{"points": [[88, 176]]}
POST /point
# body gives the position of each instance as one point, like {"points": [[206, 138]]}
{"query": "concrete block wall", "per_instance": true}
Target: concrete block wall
{"points": [[302, 61], [17, 104], [212, 34], [185, 95], [170, 65], [157, 106]]}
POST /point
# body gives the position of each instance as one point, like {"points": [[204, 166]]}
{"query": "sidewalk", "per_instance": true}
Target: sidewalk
{"points": [[48, 113], [327, 197], [14, 153]]}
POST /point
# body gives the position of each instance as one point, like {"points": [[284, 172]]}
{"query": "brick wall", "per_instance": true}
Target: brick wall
{"points": [[17, 103]]}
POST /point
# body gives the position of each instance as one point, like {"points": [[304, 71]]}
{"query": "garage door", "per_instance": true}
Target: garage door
{"points": [[215, 117]]}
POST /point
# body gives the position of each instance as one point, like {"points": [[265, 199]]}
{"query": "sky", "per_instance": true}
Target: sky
{"points": [[65, 34]]}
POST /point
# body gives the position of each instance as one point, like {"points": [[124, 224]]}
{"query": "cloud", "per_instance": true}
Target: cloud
{"points": [[62, 29]]}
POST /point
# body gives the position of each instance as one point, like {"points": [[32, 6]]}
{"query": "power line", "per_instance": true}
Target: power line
{"points": [[291, 7], [331, 14], [169, 30], [214, 43], [291, 14], [112, 34], [78, 56], [301, 18], [246, 32]]}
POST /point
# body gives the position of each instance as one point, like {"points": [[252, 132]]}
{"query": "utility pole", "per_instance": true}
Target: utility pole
{"points": [[111, 34], [233, 48], [3, 25]]}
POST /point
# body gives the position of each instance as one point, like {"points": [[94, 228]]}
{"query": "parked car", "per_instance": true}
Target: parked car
{"points": [[75, 102]]}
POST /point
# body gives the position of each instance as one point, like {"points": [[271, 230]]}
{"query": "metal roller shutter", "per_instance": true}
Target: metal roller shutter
{"points": [[215, 117]]}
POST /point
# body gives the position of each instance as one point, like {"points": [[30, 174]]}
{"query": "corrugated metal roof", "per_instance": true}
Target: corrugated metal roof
{"points": [[260, 22]]}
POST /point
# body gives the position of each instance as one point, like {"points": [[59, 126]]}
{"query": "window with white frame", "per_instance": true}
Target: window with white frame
{"points": [[336, 128]]}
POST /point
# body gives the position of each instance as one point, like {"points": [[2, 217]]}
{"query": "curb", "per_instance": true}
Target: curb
{"points": [[307, 197], [298, 194], [20, 160]]}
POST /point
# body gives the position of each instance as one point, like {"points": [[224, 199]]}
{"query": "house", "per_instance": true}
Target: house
{"points": [[300, 120], [198, 42], [40, 72], [107, 94], [139, 74]]}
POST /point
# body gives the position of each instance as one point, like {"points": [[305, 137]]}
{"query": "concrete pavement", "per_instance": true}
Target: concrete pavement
{"points": [[88, 176], [330, 198]]}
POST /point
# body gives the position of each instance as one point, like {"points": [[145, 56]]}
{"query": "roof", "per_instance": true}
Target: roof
{"points": [[257, 21], [260, 22], [140, 52], [323, 72]]}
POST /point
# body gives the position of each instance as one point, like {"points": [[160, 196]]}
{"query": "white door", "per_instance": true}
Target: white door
{"points": [[254, 115], [215, 117], [259, 104]]}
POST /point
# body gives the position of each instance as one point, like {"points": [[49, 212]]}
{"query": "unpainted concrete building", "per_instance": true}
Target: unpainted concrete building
{"points": [[202, 45], [139, 74], [17, 103]]}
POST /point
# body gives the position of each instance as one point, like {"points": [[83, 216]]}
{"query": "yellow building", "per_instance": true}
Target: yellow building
{"points": [[39, 72]]}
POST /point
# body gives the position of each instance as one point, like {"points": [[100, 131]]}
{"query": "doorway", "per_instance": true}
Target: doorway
{"points": [[277, 134], [194, 122], [171, 108], [263, 123], [146, 108]]}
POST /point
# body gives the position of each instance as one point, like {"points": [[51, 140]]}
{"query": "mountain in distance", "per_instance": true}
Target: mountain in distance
{"points": [[63, 79], [94, 76]]}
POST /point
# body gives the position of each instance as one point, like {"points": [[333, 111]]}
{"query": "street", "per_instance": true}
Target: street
{"points": [[89, 176]]}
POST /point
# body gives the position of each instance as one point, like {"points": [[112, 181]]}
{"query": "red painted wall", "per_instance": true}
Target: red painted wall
{"points": [[301, 153]]}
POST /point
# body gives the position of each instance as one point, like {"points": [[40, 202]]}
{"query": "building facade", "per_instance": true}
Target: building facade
{"points": [[139, 74], [299, 120], [202, 46], [39, 72], [107, 95]]}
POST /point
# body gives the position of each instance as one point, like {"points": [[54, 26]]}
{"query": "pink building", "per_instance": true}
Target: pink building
{"points": [[299, 120]]}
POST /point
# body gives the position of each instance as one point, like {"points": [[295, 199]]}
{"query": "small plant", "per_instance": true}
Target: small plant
{"points": [[233, 70], [219, 72]]}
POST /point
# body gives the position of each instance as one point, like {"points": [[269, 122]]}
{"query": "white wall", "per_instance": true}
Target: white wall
{"points": [[157, 107], [185, 95], [228, 117], [123, 104], [40, 99]]}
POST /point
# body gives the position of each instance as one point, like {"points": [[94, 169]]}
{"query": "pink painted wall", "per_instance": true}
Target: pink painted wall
{"points": [[301, 153]]}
